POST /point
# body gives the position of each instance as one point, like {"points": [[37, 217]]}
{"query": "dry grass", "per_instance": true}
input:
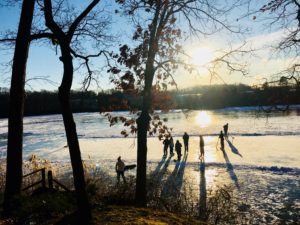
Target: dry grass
{"points": [[114, 214]]}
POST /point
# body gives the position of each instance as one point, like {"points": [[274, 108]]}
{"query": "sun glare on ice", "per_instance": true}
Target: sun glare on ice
{"points": [[203, 119]]}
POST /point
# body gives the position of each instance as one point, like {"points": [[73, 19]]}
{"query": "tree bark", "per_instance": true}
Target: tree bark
{"points": [[143, 123], [16, 108], [141, 173], [72, 138]]}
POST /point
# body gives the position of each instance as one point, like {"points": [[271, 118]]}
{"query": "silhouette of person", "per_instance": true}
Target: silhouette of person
{"points": [[171, 146], [178, 146], [225, 127], [166, 143], [221, 136], [186, 142], [201, 147], [120, 168]]}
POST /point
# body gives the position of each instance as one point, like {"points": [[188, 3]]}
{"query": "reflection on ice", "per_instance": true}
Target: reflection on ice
{"points": [[202, 189], [203, 119]]}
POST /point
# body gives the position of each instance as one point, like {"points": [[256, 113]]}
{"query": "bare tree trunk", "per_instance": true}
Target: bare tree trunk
{"points": [[64, 39], [16, 107], [143, 124], [72, 139], [141, 173]]}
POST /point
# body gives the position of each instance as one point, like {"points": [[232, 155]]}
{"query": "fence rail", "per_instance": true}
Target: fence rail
{"points": [[43, 180]]}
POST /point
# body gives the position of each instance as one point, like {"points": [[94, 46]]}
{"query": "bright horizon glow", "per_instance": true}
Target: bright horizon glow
{"points": [[203, 119], [201, 56]]}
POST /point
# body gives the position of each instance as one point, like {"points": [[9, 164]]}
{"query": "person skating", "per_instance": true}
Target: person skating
{"points": [[178, 146], [225, 128], [221, 136], [171, 146], [166, 143], [201, 147], [186, 142]]}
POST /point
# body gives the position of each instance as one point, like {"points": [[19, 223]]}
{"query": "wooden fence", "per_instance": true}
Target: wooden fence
{"points": [[51, 181]]}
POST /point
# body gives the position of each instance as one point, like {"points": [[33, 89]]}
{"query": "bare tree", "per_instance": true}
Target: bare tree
{"points": [[64, 39], [15, 122], [282, 16], [71, 34]]}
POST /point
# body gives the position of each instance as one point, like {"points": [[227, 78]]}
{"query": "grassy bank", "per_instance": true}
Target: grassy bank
{"points": [[59, 208]]}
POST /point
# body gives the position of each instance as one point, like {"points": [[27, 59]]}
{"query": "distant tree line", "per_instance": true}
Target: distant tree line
{"points": [[220, 96], [201, 97]]}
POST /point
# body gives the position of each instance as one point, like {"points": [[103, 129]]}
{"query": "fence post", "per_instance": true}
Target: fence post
{"points": [[50, 180], [43, 178]]}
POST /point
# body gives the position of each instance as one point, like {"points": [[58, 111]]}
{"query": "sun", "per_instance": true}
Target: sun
{"points": [[203, 119], [201, 56]]}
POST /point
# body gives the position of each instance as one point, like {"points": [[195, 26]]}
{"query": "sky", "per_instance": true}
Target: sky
{"points": [[263, 62]]}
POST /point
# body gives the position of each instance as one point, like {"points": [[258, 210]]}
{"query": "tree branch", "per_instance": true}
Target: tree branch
{"points": [[50, 23], [76, 22]]}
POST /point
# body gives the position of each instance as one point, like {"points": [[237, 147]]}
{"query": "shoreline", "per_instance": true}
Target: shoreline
{"points": [[240, 108]]}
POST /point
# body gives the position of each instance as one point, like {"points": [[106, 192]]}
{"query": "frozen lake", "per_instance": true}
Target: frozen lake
{"points": [[43, 134], [261, 159]]}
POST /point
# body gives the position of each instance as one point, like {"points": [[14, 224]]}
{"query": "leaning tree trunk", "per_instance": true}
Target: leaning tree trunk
{"points": [[72, 139], [16, 107], [141, 173]]}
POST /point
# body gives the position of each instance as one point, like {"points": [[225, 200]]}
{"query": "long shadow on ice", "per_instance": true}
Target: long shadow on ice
{"points": [[233, 148], [231, 170], [174, 182], [159, 165], [157, 175], [181, 172], [202, 188]]}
